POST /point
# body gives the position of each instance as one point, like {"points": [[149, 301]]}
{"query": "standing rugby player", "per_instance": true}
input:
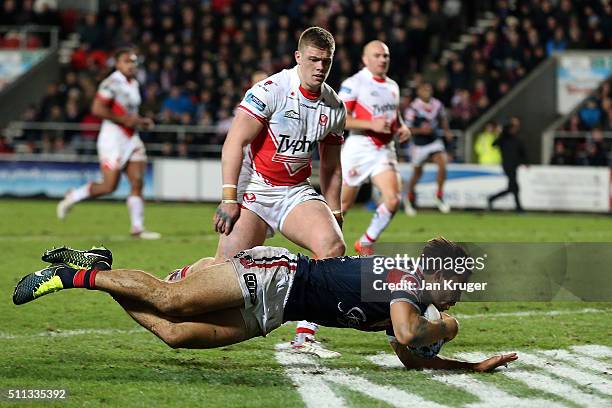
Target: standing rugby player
{"points": [[427, 120], [372, 101], [267, 160], [120, 148]]}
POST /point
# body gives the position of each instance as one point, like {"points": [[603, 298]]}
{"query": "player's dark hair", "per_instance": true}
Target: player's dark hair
{"points": [[317, 37], [121, 51], [439, 249]]}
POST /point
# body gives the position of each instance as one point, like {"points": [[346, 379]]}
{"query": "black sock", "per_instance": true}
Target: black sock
{"points": [[77, 278]]}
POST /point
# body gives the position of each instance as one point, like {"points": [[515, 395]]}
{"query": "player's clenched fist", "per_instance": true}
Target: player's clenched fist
{"points": [[225, 217]]}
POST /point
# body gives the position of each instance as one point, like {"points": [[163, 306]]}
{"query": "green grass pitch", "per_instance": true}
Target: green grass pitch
{"points": [[84, 342]]}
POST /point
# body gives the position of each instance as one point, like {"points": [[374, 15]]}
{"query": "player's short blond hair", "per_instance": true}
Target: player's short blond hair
{"points": [[317, 37]]}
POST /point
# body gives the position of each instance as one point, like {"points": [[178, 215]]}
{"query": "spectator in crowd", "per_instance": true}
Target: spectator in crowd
{"points": [[486, 152], [590, 114], [210, 49], [561, 155], [513, 155]]}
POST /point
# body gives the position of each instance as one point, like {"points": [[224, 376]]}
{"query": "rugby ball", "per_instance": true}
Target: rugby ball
{"points": [[431, 314]]}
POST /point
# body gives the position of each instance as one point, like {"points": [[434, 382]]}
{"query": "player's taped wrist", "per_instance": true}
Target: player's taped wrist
{"points": [[337, 212], [229, 201], [230, 193]]}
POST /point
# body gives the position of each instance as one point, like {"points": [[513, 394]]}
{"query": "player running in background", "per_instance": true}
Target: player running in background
{"points": [[372, 101], [120, 148], [255, 291], [427, 120], [267, 160]]}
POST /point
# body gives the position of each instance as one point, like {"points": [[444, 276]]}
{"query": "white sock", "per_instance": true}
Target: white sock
{"points": [[136, 208], [379, 222], [79, 194], [304, 330]]}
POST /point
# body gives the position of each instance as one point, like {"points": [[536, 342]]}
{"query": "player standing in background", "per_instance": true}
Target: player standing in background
{"points": [[372, 101], [267, 159], [119, 145], [427, 120]]}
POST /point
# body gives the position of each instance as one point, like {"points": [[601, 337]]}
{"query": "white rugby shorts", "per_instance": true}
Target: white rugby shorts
{"points": [[420, 154], [273, 203], [116, 149], [361, 159], [265, 275]]}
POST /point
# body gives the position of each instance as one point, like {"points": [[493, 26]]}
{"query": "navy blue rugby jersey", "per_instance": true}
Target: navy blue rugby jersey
{"points": [[329, 292]]}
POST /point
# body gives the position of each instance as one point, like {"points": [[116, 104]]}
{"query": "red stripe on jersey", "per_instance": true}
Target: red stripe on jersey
{"points": [[120, 110], [273, 171], [379, 139], [106, 101], [350, 104], [253, 114]]}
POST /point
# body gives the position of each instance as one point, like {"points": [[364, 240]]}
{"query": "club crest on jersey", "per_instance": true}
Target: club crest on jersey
{"points": [[323, 118], [256, 102], [249, 197], [291, 114]]}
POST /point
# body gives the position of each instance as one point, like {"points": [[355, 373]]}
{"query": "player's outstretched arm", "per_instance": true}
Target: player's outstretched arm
{"points": [[412, 361], [412, 329], [243, 131]]}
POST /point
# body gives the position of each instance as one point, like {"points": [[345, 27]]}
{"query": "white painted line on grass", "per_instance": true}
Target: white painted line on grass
{"points": [[489, 395], [529, 314], [312, 380], [600, 351], [594, 350], [563, 370], [386, 360], [544, 383], [579, 360], [305, 373], [391, 395], [70, 333]]}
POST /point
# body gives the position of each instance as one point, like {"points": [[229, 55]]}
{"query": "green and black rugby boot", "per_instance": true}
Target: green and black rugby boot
{"points": [[38, 284], [99, 258]]}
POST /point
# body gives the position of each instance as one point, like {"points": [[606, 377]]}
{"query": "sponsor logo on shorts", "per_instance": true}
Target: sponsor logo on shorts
{"points": [[291, 114], [323, 119], [256, 102], [251, 283], [249, 197], [346, 89]]}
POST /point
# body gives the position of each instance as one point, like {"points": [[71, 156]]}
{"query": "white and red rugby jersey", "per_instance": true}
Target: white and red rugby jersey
{"points": [[295, 120], [368, 97], [123, 96]]}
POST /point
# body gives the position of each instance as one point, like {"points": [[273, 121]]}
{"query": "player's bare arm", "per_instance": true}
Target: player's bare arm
{"points": [[331, 177], [243, 131], [412, 361], [378, 125], [403, 132], [411, 329], [103, 110]]}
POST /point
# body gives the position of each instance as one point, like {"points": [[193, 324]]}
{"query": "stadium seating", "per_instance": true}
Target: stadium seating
{"points": [[202, 54]]}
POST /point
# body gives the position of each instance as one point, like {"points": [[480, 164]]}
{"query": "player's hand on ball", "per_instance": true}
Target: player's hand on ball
{"points": [[492, 363], [225, 217], [452, 326], [380, 125]]}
